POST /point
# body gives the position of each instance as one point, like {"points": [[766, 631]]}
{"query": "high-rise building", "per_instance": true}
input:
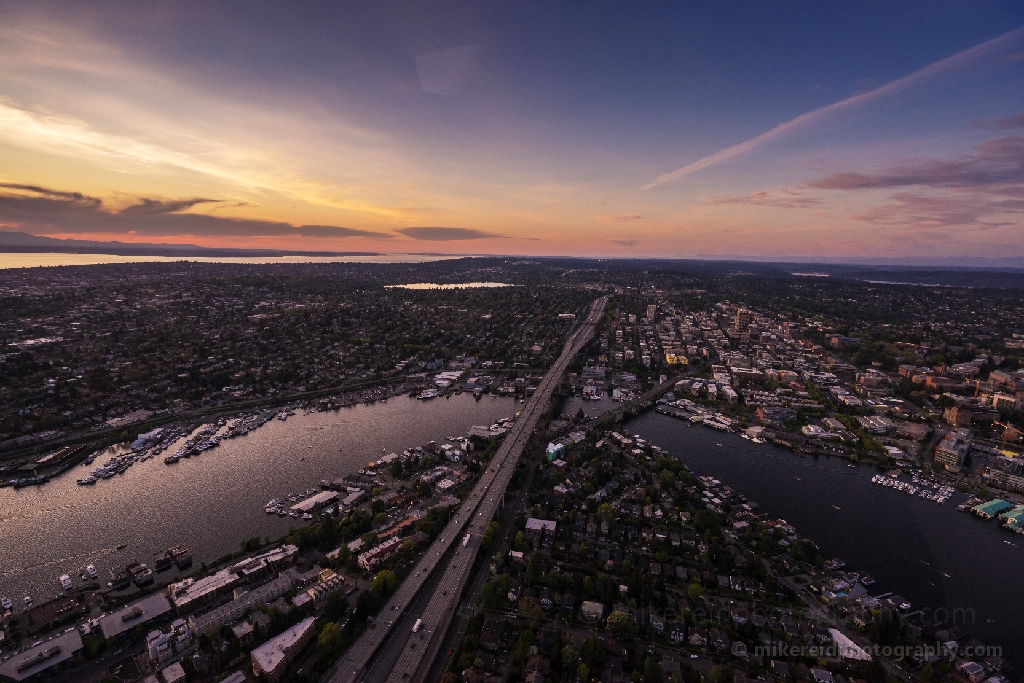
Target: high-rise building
{"points": [[651, 310], [743, 319]]}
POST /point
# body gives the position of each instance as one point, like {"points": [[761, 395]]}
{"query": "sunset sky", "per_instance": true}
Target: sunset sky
{"points": [[766, 129]]}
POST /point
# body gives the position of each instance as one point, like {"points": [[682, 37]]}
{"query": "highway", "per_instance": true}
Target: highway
{"points": [[389, 650]]}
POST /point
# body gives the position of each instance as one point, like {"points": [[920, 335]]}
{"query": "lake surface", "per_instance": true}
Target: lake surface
{"points": [[930, 554], [458, 285], [211, 502], [36, 260]]}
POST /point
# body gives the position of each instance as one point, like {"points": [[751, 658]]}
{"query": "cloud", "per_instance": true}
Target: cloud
{"points": [[626, 243], [911, 209], [1011, 122], [448, 234], [152, 206], [792, 200], [77, 197], [969, 190], [627, 218], [447, 72], [47, 211], [995, 163], [951, 63]]}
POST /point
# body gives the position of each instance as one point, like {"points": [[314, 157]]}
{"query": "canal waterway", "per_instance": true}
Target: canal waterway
{"points": [[212, 502], [951, 564]]}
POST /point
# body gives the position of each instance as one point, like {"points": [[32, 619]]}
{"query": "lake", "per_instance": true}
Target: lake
{"points": [[211, 502]]}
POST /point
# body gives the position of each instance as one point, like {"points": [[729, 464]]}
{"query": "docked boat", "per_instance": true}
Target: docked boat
{"points": [[28, 600], [162, 561], [65, 582], [87, 481], [182, 556], [91, 571], [6, 603]]}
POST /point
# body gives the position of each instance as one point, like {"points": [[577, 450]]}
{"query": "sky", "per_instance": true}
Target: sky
{"points": [[758, 129]]}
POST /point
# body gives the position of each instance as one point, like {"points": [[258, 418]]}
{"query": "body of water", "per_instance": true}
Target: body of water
{"points": [[930, 554], [458, 285], [36, 260], [211, 502]]}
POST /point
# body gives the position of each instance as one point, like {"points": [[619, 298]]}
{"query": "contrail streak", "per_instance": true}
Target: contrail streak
{"points": [[899, 85]]}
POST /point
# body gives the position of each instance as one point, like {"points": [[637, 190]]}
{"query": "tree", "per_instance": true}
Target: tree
{"points": [[583, 671], [622, 625], [336, 606], [652, 670], [694, 592], [593, 651], [534, 569], [668, 478], [329, 642], [569, 657], [605, 512], [384, 583]]}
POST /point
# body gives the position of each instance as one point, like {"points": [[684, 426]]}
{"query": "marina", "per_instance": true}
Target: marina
{"points": [[134, 515], [929, 553]]}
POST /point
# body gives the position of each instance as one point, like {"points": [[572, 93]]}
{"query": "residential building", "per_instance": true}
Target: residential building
{"points": [[272, 657]]}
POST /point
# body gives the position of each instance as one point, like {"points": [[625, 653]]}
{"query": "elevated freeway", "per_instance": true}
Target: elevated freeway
{"points": [[389, 650]]}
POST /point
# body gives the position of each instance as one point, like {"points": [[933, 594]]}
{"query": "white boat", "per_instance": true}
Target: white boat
{"points": [[65, 581], [28, 600], [6, 603], [91, 571]]}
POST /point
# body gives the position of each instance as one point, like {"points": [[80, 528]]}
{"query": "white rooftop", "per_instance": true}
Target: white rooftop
{"points": [[540, 524], [322, 498], [271, 653]]}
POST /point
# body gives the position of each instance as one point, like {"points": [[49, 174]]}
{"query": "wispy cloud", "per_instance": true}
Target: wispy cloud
{"points": [[150, 205], [912, 209], [626, 243], [959, 60], [436, 234], [977, 189], [993, 164], [788, 200], [623, 218]]}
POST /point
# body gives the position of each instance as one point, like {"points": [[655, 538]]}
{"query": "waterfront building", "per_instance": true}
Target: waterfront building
{"points": [[190, 593], [135, 614], [42, 657]]}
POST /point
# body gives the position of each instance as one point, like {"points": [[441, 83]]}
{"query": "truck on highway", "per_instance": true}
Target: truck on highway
{"points": [[465, 541], [416, 626]]}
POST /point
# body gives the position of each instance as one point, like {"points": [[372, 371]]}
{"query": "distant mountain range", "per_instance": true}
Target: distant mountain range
{"points": [[22, 242]]}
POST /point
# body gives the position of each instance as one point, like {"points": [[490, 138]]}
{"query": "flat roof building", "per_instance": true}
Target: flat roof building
{"points": [[42, 657], [322, 498], [242, 605], [271, 658], [139, 612], [191, 593]]}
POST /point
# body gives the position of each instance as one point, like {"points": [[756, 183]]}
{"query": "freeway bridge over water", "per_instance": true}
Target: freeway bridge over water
{"points": [[389, 650]]}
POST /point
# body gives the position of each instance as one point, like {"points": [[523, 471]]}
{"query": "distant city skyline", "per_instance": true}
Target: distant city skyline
{"points": [[798, 130]]}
